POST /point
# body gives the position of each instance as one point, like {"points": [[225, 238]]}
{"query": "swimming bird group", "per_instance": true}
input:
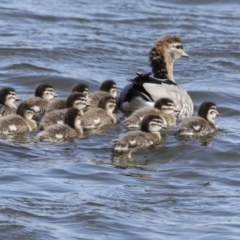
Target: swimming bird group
{"points": [[155, 102]]}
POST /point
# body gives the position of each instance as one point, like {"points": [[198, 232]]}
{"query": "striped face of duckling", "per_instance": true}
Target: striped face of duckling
{"points": [[45, 91], [81, 88], [8, 96], [208, 110], [107, 103], [28, 113], [109, 86], [152, 123], [166, 106], [77, 100]]}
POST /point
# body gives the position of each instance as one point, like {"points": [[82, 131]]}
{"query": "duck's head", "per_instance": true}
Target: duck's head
{"points": [[164, 52], [107, 103], [73, 118], [77, 100], [26, 110], [45, 91], [208, 111], [152, 123], [165, 105], [81, 88], [8, 96], [110, 87]]}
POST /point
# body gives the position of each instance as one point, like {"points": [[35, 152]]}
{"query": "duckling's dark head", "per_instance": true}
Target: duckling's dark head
{"points": [[207, 109], [107, 102], [76, 98], [44, 90], [6, 92], [71, 115], [152, 123], [23, 108], [82, 88], [110, 87]]}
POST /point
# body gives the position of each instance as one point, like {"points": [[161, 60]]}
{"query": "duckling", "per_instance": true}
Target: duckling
{"points": [[75, 99], [202, 124], [61, 132], [144, 90], [149, 134], [43, 94], [163, 107], [7, 99], [102, 115], [61, 102], [19, 123], [107, 88]]}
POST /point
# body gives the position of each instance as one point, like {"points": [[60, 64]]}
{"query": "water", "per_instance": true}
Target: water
{"points": [[180, 189]]}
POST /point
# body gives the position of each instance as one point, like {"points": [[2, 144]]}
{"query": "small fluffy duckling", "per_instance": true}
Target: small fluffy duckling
{"points": [[19, 123], [163, 107], [144, 90], [102, 115], [61, 102], [107, 88], [43, 94], [202, 124], [7, 99], [149, 134], [61, 132], [75, 99]]}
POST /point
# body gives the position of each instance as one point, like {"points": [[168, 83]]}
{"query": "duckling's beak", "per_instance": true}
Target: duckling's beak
{"points": [[17, 99], [184, 54], [217, 113], [164, 126], [55, 95]]}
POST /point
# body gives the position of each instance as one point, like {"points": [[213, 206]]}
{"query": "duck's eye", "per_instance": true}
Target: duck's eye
{"points": [[179, 46]]}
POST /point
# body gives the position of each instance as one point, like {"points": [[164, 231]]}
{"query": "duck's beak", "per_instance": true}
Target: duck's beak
{"points": [[16, 98], [184, 54], [217, 113]]}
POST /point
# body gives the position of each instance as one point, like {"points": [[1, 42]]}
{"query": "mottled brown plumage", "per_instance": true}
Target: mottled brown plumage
{"points": [[163, 107], [101, 115], [20, 122], [75, 99], [202, 124], [61, 132], [7, 99], [149, 135], [43, 94], [108, 87]]}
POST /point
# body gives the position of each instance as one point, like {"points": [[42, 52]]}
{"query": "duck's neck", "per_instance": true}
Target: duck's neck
{"points": [[211, 122], [162, 64]]}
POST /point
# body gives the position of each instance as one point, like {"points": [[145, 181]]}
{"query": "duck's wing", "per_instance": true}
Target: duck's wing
{"points": [[150, 89]]}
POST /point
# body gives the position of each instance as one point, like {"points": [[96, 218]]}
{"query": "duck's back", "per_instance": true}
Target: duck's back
{"points": [[57, 104], [52, 117], [13, 124], [194, 125], [6, 110], [96, 117], [39, 104], [95, 97], [56, 133]]}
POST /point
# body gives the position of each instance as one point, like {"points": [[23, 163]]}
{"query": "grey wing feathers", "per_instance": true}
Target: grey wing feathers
{"points": [[57, 133], [6, 110], [51, 118], [57, 104], [13, 124], [176, 93], [95, 97]]}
